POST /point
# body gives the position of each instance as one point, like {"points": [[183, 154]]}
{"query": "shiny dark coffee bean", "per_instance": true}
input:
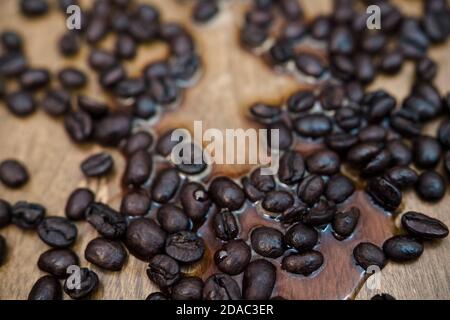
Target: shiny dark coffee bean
{"points": [[294, 31], [78, 202], [220, 286], [391, 61], [166, 143], [303, 263], [426, 69], [141, 140], [225, 225], [267, 242], [372, 133], [402, 248], [163, 90], [156, 70], [192, 159], [135, 203], [27, 215], [21, 103], [108, 222], [373, 43], [341, 41], [233, 257], [34, 8], [344, 223], [71, 78], [310, 65], [413, 40], [97, 165], [106, 254], [340, 142], [69, 44], [13, 173], [57, 232], [96, 30], [431, 186], [185, 246], [259, 280], [406, 123], [195, 200], [165, 185], [145, 107], [226, 193], [311, 189], [425, 101], [79, 126], [301, 101], [285, 135], [362, 153], [57, 102], [378, 105], [102, 60], [33, 79], [367, 255], [382, 297], [365, 69], [400, 152], [427, 152], [262, 182], [3, 250], [88, 285], [348, 118], [355, 91], [163, 270], [144, 238], [252, 193], [156, 296], [111, 76], [130, 88], [5, 213], [92, 106], [264, 112], [184, 67], [281, 52], [126, 47], [138, 169], [377, 164], [301, 237], [291, 168], [342, 67], [320, 214], [339, 188], [320, 27], [332, 96], [323, 162], [205, 10], [313, 125], [112, 129], [172, 219], [11, 41], [384, 193], [424, 227], [46, 288], [443, 134], [402, 176], [277, 201], [12, 64], [189, 288], [56, 262]]}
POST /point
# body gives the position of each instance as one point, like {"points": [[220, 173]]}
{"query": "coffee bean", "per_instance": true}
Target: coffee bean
{"points": [[163, 90], [3, 250], [344, 223], [431, 186], [145, 107], [141, 140], [71, 78], [310, 64], [110, 76], [341, 41], [144, 238], [285, 135], [362, 153], [11, 41], [406, 123], [93, 107], [320, 214], [57, 232], [79, 126], [163, 270], [402, 248], [391, 61], [69, 44], [27, 215], [252, 193], [21, 103], [5, 213], [225, 225], [156, 296], [56, 262], [342, 67], [377, 164], [33, 79], [368, 255], [262, 182], [56, 102], [34, 8], [294, 213], [320, 27], [13, 174], [373, 43], [355, 91], [233, 257], [220, 286], [136, 202], [183, 68], [259, 280], [78, 202], [303, 263], [384, 193], [102, 60], [189, 288], [139, 168], [97, 165], [426, 69], [130, 88], [277, 201], [259, 17], [422, 106], [323, 162], [294, 31], [88, 285], [400, 152], [172, 219], [301, 237], [424, 227], [106, 254], [46, 288], [281, 52], [97, 29], [382, 297], [313, 125], [403, 177], [195, 200], [291, 168], [165, 185], [156, 70], [226, 193], [413, 41], [427, 152], [348, 118], [311, 189], [372, 133], [378, 105], [107, 221], [301, 101], [340, 142], [126, 47], [253, 36], [112, 129], [264, 112], [185, 246], [191, 159], [339, 188], [12, 64], [204, 11], [267, 242]]}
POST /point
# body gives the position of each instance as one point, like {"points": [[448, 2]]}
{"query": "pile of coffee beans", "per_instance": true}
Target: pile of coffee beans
{"points": [[167, 206]]}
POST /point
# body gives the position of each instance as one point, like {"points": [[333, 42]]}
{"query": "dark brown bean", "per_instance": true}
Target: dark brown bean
{"points": [[46, 288], [165, 185], [431, 186], [259, 280], [138, 169], [323, 162], [107, 221], [427, 152], [311, 189], [301, 101], [402, 176], [163, 270], [57, 102], [368, 255], [71, 78], [277, 201], [267, 242], [13, 173], [310, 65], [136, 202], [402, 248], [344, 223], [97, 165], [339, 188], [106, 254], [57, 232], [21, 103], [89, 283], [189, 288], [385, 193], [141, 140], [92, 106], [78, 202], [424, 227], [112, 129], [252, 193], [320, 214], [221, 286], [172, 219], [27, 215], [144, 238], [33, 79], [313, 125], [301, 237], [291, 168], [185, 246], [5, 213], [303, 263], [226, 193], [79, 126], [233, 257], [195, 200], [225, 225], [56, 262]]}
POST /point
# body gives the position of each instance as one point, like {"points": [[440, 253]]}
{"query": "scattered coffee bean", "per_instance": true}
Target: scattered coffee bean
{"points": [[310, 64], [263, 182], [71, 78], [185, 246], [252, 193], [339, 188], [267, 242], [427, 152], [385, 193], [320, 214], [165, 185], [112, 129], [46, 288], [34, 8], [12, 64], [344, 223], [141, 140], [402, 248], [79, 126], [431, 186], [226, 193], [13, 174], [107, 254], [138, 169], [189, 288], [424, 227], [126, 47], [311, 189], [33, 79], [301, 237], [172, 218], [27, 215], [301, 101], [369, 255], [5, 213], [56, 102], [108, 222], [21, 103], [205, 10], [259, 280], [313, 125], [136, 202], [277, 201], [220, 286], [88, 285], [97, 165], [163, 270], [323, 162], [56, 262], [11, 41], [195, 200], [403, 177], [233, 257], [303, 263], [69, 44], [144, 238], [400, 152], [78, 202], [93, 107], [291, 168], [57, 232], [225, 225]]}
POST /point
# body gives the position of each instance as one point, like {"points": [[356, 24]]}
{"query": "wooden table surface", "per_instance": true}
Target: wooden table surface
{"points": [[232, 79]]}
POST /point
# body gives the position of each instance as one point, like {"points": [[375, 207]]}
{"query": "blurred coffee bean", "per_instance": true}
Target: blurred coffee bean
{"points": [[112, 129], [285, 135], [20, 103], [102, 60], [427, 152], [33, 79], [205, 10], [5, 213], [27, 215], [291, 168], [69, 44], [443, 134], [362, 153], [126, 47], [402, 176], [110, 76], [426, 69], [400, 152], [341, 41], [310, 65], [378, 164], [165, 185], [378, 105], [301, 101], [262, 182], [11, 41], [340, 142], [372, 133], [321, 27], [71, 78], [391, 61], [313, 125], [277, 201], [384, 193], [92, 106], [252, 193], [264, 112], [12, 64], [97, 165], [130, 88], [56, 102], [348, 118], [431, 186], [34, 8]]}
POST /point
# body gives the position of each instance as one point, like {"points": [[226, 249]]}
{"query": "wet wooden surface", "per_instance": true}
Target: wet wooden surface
{"points": [[231, 81]]}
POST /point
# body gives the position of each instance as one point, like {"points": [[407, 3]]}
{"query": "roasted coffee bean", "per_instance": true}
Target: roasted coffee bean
{"points": [[294, 31], [391, 61], [431, 186], [57, 102], [111, 76], [259, 280], [402, 248], [259, 17], [301, 237], [365, 69], [71, 78], [402, 176], [323, 162], [141, 140], [106, 254], [107, 221], [21, 103], [253, 36], [226, 193], [220, 286], [138, 169], [156, 296], [13, 173], [400, 152], [339, 188], [136, 202], [126, 47], [163, 270], [384, 193], [291, 168], [172, 219], [285, 135], [78, 202], [320, 214], [368, 255], [290, 9], [406, 123], [5, 213], [97, 165], [301, 101], [144, 238], [233, 257], [79, 125], [112, 129], [195, 200], [183, 68], [205, 10], [3, 250], [332, 96], [374, 42], [97, 30], [267, 242], [165, 185], [303, 263], [167, 142], [372, 133], [342, 67], [264, 112], [11, 41], [88, 285], [378, 105], [320, 27], [377, 164], [310, 65], [192, 159], [340, 142], [189, 288], [102, 60], [27, 215], [12, 64], [56, 262], [46, 288], [311, 189], [348, 118], [145, 107], [362, 153], [34, 8], [425, 101], [92, 106], [277, 201], [443, 134], [435, 25], [424, 227], [313, 125], [33, 79], [156, 70], [413, 41], [427, 152], [57, 232], [341, 41], [355, 91], [225, 225], [130, 88], [185, 246], [344, 223], [262, 182], [163, 90], [382, 297], [426, 69], [447, 162], [69, 44]]}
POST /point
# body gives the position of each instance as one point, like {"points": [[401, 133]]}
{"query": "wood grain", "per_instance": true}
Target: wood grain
{"points": [[232, 79]]}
